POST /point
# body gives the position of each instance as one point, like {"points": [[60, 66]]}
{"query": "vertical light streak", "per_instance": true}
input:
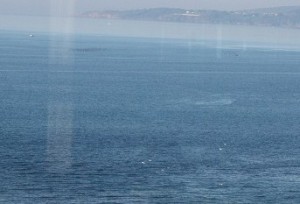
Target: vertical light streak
{"points": [[219, 41], [60, 104]]}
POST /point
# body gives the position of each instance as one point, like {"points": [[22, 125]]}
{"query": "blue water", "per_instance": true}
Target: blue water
{"points": [[88, 119]]}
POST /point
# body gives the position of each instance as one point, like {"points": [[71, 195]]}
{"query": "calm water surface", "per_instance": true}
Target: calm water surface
{"points": [[127, 120]]}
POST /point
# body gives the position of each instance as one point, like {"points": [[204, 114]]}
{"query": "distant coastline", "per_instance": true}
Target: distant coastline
{"points": [[219, 35], [288, 17]]}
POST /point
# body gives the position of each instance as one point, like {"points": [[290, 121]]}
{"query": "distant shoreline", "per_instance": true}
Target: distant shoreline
{"points": [[284, 17], [241, 35]]}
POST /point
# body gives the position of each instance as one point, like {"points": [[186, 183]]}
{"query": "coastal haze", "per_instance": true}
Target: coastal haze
{"points": [[226, 20], [55, 7], [221, 34]]}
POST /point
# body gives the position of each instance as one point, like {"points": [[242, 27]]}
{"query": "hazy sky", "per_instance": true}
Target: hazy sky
{"points": [[54, 7]]}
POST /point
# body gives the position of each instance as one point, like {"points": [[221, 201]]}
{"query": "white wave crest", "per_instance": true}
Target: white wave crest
{"points": [[218, 102], [203, 102]]}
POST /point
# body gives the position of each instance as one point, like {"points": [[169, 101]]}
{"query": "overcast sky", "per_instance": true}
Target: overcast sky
{"points": [[55, 7]]}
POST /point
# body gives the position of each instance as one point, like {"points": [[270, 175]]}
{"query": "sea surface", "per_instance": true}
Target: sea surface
{"points": [[96, 119]]}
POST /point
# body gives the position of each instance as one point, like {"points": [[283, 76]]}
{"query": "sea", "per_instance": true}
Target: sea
{"points": [[111, 119]]}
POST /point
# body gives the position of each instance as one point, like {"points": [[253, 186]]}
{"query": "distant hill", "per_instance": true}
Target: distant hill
{"points": [[278, 16]]}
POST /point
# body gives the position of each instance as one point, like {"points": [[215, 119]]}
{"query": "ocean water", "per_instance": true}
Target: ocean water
{"points": [[95, 119]]}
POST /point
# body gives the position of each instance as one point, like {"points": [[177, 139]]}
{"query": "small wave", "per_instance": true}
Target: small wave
{"points": [[219, 102], [204, 102], [89, 49]]}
